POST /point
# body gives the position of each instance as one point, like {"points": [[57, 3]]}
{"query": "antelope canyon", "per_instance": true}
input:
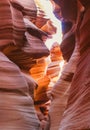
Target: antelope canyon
{"points": [[44, 65]]}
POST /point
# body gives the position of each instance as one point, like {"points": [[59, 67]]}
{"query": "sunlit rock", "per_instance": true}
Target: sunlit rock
{"points": [[28, 8], [41, 18], [39, 74], [49, 28]]}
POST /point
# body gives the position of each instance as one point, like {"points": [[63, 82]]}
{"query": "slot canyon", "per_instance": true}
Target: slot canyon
{"points": [[44, 64]]}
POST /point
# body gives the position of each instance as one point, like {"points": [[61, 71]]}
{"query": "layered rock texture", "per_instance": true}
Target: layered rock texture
{"points": [[77, 113], [60, 91], [16, 106], [70, 105], [21, 44], [36, 92]]}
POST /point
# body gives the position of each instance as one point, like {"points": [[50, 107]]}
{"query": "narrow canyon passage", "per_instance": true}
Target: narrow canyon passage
{"points": [[44, 65]]}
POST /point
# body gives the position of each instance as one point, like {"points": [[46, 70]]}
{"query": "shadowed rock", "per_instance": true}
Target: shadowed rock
{"points": [[16, 106]]}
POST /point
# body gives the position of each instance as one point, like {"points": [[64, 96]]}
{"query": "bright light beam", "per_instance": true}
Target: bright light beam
{"points": [[47, 7]]}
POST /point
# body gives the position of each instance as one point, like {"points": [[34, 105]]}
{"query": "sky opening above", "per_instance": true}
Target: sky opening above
{"points": [[47, 7]]}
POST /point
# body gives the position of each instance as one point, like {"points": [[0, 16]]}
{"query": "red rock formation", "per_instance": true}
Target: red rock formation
{"points": [[16, 106], [53, 68], [11, 23], [39, 74], [28, 51], [68, 40], [23, 32], [59, 92], [77, 114], [41, 18], [28, 9], [49, 28], [16, 86]]}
